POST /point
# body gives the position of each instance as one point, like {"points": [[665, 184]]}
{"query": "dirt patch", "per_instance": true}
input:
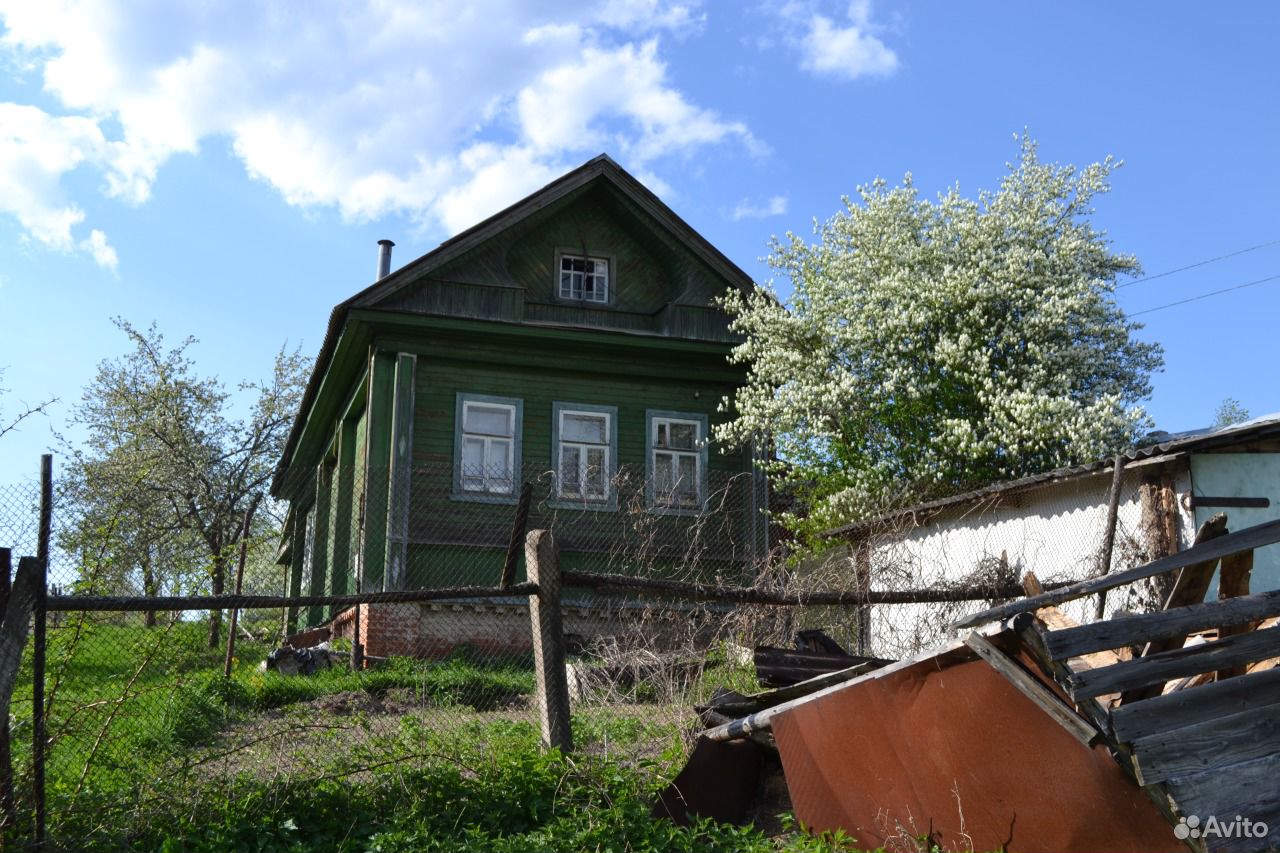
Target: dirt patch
{"points": [[340, 734]]}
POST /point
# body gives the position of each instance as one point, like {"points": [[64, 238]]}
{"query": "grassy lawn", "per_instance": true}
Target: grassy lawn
{"points": [[152, 749]]}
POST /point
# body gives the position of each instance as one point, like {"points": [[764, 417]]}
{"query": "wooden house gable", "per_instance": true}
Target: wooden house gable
{"points": [[658, 276]]}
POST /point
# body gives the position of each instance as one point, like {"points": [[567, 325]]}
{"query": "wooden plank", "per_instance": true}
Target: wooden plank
{"points": [[134, 604], [1189, 588], [1127, 630], [1209, 744], [751, 595], [1109, 536], [1031, 632], [1257, 536], [1247, 789], [516, 542], [1195, 705], [1233, 582], [1176, 663], [16, 625], [1026, 684]]}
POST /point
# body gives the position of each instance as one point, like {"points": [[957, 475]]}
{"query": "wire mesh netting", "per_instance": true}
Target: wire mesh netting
{"points": [[151, 720]]}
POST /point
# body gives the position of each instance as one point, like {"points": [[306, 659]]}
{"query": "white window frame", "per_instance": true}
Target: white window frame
{"points": [[597, 268], [491, 487], [578, 500], [698, 453]]}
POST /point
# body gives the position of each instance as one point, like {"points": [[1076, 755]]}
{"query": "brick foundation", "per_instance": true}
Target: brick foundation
{"points": [[434, 630]]}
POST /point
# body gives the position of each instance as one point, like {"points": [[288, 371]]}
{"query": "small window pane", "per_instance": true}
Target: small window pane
{"points": [[663, 466], [473, 464], [487, 420], [595, 479], [570, 467], [662, 434], [584, 278], [585, 428], [498, 459], [684, 436], [687, 486]]}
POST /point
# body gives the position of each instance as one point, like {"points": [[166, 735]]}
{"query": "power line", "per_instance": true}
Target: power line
{"points": [[1207, 295], [1198, 264]]}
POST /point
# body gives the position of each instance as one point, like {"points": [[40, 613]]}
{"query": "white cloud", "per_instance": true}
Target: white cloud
{"points": [[438, 110], [568, 107], [682, 19], [97, 246], [847, 49], [36, 150], [747, 209]]}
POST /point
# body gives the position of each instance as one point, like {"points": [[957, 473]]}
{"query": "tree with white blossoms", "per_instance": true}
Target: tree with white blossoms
{"points": [[930, 347]]}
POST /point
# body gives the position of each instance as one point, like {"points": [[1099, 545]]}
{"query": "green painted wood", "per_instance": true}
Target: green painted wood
{"points": [[320, 540], [400, 469], [344, 371], [379, 416], [441, 379], [582, 338], [342, 513], [490, 321], [295, 567]]}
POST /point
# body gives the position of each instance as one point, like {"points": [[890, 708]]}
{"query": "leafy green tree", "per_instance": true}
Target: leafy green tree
{"points": [[1230, 411], [934, 346], [161, 481]]}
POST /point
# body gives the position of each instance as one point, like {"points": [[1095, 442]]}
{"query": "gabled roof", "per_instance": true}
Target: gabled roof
{"points": [[600, 168], [1158, 444]]}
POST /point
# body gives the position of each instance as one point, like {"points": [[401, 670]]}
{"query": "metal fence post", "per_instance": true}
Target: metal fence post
{"points": [[542, 560]]}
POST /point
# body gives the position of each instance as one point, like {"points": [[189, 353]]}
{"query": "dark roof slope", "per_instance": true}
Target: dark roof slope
{"points": [[1264, 427]]}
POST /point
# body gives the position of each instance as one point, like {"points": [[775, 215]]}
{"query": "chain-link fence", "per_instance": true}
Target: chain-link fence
{"points": [[398, 640], [1060, 529]]}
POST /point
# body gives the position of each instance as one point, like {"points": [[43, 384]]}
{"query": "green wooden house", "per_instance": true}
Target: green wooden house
{"points": [[573, 342]]}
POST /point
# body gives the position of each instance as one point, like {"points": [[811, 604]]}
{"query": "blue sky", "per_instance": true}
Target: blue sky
{"points": [[225, 170]]}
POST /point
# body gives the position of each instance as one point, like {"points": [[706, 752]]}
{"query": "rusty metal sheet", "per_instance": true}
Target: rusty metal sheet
{"points": [[958, 752]]}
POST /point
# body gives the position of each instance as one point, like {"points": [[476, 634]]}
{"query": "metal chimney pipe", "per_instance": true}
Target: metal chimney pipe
{"points": [[384, 258]]}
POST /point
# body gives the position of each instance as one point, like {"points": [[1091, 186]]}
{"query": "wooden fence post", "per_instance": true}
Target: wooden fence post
{"points": [[542, 560], [38, 722], [235, 611], [1109, 536]]}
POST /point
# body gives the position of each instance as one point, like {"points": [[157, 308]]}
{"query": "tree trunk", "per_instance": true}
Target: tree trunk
{"points": [[149, 588], [219, 578]]}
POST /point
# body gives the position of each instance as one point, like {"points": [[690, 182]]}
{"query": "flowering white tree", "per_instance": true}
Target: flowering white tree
{"points": [[934, 346]]}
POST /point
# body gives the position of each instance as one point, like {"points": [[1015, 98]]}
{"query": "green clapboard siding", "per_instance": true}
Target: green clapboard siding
{"points": [[488, 320]]}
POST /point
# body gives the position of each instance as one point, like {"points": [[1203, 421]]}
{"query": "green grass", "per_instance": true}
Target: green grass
{"points": [[136, 713]]}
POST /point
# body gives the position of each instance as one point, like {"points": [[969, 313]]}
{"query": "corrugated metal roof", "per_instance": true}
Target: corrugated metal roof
{"points": [[1159, 444]]}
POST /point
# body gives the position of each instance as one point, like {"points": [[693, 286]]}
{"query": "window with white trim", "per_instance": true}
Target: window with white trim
{"points": [[487, 447], [584, 278], [583, 454], [676, 461]]}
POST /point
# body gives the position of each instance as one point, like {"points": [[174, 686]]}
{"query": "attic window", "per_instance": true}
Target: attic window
{"points": [[584, 278]]}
